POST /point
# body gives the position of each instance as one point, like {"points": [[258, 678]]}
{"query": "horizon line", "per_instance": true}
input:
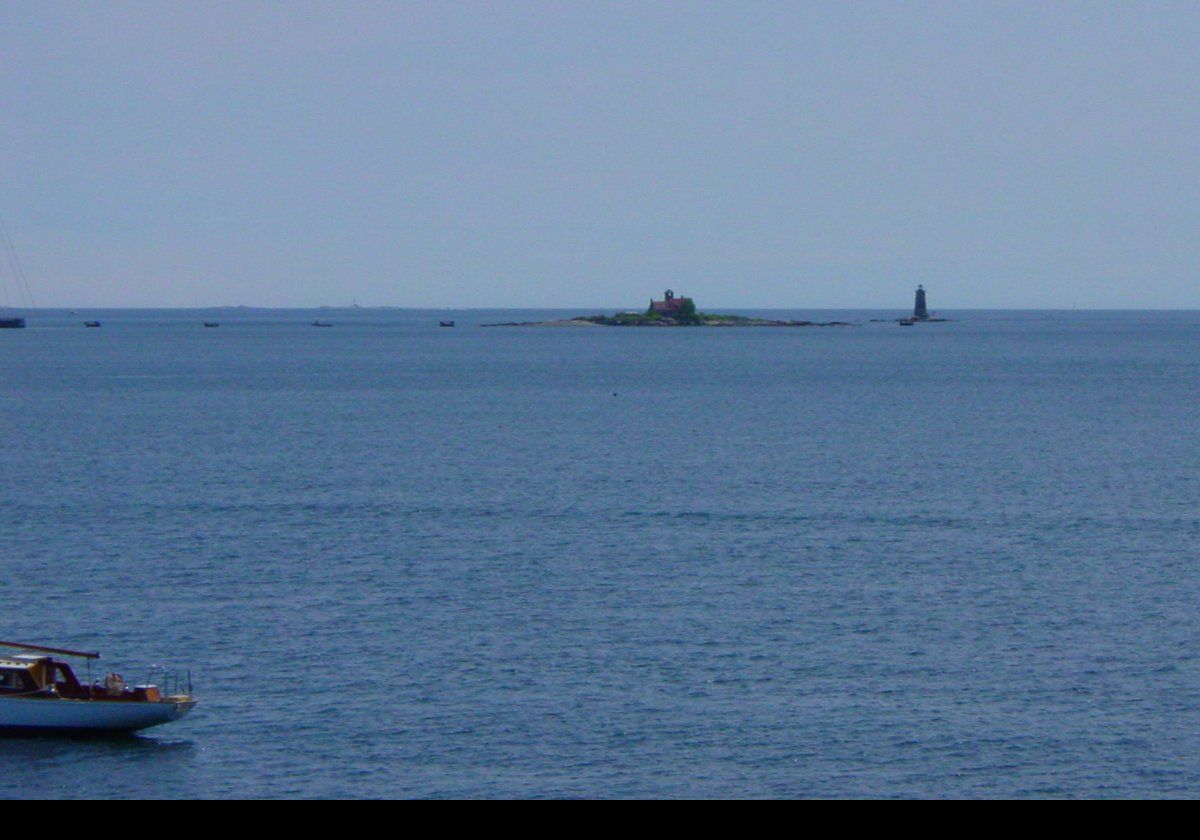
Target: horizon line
{"points": [[391, 307]]}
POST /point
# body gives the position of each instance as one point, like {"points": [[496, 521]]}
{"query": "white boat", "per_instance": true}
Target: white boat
{"points": [[41, 693]]}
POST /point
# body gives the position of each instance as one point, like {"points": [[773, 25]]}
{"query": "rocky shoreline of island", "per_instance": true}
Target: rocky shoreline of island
{"points": [[635, 319]]}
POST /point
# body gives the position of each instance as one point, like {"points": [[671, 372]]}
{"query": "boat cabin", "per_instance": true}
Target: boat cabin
{"points": [[49, 677], [39, 674], [15, 678]]}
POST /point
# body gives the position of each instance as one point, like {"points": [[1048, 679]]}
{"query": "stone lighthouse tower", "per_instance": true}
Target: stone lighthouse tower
{"points": [[920, 310]]}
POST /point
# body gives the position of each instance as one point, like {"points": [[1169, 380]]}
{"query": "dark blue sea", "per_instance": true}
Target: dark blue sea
{"points": [[952, 560]]}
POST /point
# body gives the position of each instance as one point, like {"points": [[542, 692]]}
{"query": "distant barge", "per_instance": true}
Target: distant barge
{"points": [[12, 323]]}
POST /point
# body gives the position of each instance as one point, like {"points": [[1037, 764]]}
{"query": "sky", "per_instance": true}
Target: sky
{"points": [[592, 154]]}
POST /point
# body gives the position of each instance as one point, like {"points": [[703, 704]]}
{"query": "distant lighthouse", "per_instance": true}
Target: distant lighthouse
{"points": [[920, 310]]}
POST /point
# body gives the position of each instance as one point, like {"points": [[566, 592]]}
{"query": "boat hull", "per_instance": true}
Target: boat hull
{"points": [[32, 715]]}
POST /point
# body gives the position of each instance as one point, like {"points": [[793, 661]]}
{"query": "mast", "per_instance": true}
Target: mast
{"points": [[8, 253]]}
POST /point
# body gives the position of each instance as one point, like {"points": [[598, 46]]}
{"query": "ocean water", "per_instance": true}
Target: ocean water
{"points": [[401, 561]]}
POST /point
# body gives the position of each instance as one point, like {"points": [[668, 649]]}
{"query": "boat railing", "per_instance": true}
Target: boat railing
{"points": [[171, 683]]}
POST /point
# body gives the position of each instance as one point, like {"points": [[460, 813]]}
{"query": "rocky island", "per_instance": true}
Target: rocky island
{"points": [[671, 311]]}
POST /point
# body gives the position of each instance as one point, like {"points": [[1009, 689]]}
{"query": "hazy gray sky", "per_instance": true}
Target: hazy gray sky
{"points": [[571, 154]]}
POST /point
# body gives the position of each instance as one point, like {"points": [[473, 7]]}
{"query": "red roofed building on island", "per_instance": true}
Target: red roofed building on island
{"points": [[671, 306]]}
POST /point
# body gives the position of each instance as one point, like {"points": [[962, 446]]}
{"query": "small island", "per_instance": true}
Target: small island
{"points": [[671, 311]]}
